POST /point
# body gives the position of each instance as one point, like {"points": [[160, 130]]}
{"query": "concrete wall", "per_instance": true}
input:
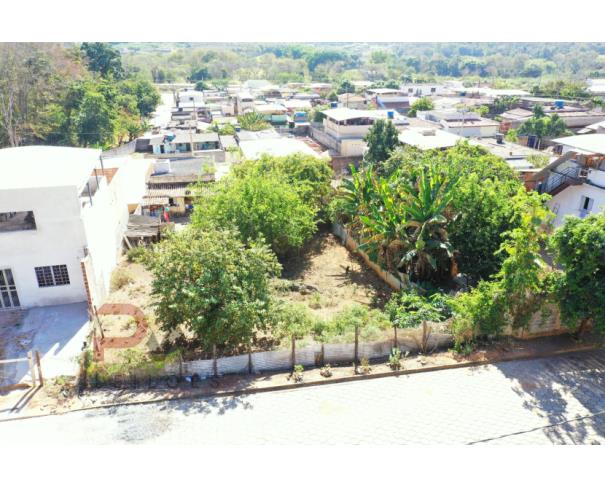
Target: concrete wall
{"points": [[59, 239], [105, 222], [568, 201]]}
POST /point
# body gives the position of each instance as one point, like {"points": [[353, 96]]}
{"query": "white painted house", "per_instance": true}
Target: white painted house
{"points": [[62, 220], [576, 180]]}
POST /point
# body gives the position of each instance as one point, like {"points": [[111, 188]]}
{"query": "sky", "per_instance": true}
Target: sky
{"points": [[303, 20]]}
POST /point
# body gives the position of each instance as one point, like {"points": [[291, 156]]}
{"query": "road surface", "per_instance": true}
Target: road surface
{"points": [[558, 400]]}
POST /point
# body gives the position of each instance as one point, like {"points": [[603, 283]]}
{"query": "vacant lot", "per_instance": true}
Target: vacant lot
{"points": [[327, 278]]}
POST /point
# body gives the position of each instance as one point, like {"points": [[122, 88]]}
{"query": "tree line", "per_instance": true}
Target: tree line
{"points": [[77, 96]]}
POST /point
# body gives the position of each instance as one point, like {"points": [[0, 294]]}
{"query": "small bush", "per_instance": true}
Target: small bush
{"points": [[410, 309], [395, 359], [297, 373], [120, 278], [315, 301], [372, 323], [365, 366], [137, 254], [326, 371]]}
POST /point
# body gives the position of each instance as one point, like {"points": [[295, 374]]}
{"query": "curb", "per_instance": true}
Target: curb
{"points": [[337, 380]]}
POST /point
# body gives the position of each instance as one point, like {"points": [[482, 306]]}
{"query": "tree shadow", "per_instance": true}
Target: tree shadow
{"points": [[563, 391], [296, 264]]}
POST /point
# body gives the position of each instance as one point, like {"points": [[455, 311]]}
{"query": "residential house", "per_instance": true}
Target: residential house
{"points": [[462, 123], [576, 180], [424, 89], [274, 113], [428, 138], [353, 100], [344, 129], [244, 103], [170, 187], [62, 220], [280, 146]]}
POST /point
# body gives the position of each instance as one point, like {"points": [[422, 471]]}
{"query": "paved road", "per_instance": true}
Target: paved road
{"points": [[559, 401]]}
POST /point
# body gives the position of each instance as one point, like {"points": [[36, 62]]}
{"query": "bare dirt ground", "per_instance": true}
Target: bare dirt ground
{"points": [[138, 293], [329, 278]]}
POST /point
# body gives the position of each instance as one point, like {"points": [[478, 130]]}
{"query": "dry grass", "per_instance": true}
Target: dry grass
{"points": [[332, 278]]}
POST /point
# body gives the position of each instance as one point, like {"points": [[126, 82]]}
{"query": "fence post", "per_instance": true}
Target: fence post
{"points": [[214, 361], [249, 358], [396, 343], [356, 344], [40, 378], [293, 351], [32, 370]]}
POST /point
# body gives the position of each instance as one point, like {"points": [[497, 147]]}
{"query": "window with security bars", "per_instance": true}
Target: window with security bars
{"points": [[55, 275]]}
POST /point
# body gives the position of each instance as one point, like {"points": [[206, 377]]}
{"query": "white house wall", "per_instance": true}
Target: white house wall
{"points": [[58, 240], [568, 201], [105, 223]]}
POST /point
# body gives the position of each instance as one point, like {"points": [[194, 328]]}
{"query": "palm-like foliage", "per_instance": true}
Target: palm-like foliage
{"points": [[401, 223], [426, 222]]}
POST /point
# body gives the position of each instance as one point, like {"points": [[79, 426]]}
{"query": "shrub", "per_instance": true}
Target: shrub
{"points": [[120, 278], [326, 371], [395, 358], [297, 373], [137, 254], [213, 285], [410, 309], [371, 323]]}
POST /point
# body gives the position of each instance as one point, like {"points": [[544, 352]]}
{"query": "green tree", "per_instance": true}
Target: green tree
{"points": [[420, 105], [382, 139], [345, 86], [579, 248], [253, 121], [259, 206], [103, 59], [212, 285]]}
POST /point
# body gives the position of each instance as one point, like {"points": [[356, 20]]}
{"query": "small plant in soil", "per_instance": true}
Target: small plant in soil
{"points": [[395, 359], [326, 371], [297, 373], [365, 366]]}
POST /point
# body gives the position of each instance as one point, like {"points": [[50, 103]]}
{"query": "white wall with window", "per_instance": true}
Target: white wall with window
{"points": [[580, 201], [44, 258]]}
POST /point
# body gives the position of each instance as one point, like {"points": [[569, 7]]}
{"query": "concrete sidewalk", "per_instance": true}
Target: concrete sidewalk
{"points": [[57, 332]]}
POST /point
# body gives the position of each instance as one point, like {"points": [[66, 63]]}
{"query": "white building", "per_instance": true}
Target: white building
{"points": [[428, 138], [462, 123], [424, 89], [576, 180], [344, 129], [62, 219]]}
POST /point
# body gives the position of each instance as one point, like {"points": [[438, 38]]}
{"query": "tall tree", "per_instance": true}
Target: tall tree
{"points": [[103, 59], [382, 139]]}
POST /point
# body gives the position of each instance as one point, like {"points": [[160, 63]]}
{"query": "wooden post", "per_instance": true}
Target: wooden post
{"points": [[356, 344], [396, 344], [214, 361], [40, 378], [249, 358], [32, 370], [293, 351]]}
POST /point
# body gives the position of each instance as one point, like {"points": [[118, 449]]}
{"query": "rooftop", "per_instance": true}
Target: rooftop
{"points": [[594, 143], [46, 166], [425, 138], [253, 149]]}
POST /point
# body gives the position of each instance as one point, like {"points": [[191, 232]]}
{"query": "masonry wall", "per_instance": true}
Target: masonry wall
{"points": [[57, 240]]}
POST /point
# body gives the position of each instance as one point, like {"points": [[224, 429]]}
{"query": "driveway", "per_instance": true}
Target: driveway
{"points": [[558, 400], [57, 332]]}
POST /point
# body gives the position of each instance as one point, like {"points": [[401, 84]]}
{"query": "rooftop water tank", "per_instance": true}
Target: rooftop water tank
{"points": [[559, 104], [334, 104], [390, 114]]}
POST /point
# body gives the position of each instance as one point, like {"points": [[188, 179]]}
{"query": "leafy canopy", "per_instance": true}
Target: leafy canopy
{"points": [[209, 283]]}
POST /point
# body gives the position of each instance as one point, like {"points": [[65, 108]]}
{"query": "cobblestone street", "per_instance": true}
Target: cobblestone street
{"points": [[558, 400]]}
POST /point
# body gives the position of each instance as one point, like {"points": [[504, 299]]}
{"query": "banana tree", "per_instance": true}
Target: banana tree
{"points": [[430, 250]]}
